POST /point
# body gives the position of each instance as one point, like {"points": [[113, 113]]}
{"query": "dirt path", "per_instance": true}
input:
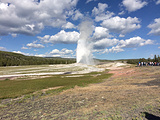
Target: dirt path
{"points": [[131, 93]]}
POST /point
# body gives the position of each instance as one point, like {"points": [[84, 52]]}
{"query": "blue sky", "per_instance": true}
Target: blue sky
{"points": [[123, 29]]}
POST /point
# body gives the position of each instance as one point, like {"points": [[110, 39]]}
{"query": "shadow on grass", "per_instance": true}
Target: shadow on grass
{"points": [[151, 116]]}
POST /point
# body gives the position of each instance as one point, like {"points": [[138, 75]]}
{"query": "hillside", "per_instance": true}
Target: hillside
{"points": [[15, 59]]}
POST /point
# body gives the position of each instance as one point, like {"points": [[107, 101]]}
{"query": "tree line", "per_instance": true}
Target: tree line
{"points": [[136, 61], [15, 59]]}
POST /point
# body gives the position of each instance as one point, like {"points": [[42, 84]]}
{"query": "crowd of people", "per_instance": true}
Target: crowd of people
{"points": [[149, 64]]}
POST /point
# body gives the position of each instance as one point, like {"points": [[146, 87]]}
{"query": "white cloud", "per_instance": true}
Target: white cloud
{"points": [[68, 25], [34, 45], [120, 45], [158, 2], [101, 32], [40, 55], [90, 1], [104, 43], [61, 53], [55, 51], [64, 37], [104, 16], [100, 13], [14, 35], [77, 15], [115, 49], [3, 6], [133, 5], [121, 25], [155, 27], [19, 52], [101, 9], [44, 39], [30, 16], [134, 42], [158, 47], [3, 49], [121, 35], [24, 48], [121, 13], [66, 51], [61, 37]]}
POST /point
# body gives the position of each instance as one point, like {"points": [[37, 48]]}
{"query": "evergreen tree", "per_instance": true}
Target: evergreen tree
{"points": [[155, 58]]}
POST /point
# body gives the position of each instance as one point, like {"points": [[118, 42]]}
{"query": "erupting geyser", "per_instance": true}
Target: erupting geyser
{"points": [[84, 45]]}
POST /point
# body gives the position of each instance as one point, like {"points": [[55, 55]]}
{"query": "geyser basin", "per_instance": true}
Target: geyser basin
{"points": [[84, 45]]}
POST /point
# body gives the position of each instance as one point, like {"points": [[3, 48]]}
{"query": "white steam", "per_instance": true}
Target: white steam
{"points": [[84, 45]]}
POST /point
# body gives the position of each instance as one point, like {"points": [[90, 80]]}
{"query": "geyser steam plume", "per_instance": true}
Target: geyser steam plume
{"points": [[84, 45]]}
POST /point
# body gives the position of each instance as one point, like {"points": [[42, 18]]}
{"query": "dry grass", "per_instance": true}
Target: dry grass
{"points": [[128, 91]]}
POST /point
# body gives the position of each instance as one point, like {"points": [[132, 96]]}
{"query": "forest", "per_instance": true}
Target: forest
{"points": [[15, 59]]}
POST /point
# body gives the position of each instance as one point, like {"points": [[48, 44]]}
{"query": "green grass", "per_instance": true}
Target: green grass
{"points": [[16, 88]]}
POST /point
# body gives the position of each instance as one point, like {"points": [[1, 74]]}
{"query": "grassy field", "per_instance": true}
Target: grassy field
{"points": [[131, 93], [19, 87]]}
